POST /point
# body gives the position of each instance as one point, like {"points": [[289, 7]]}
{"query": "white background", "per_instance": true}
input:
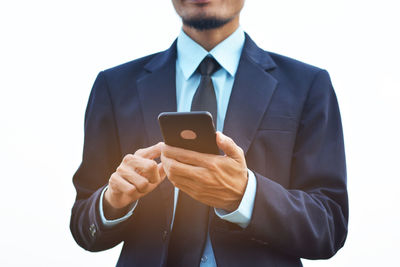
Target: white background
{"points": [[51, 52]]}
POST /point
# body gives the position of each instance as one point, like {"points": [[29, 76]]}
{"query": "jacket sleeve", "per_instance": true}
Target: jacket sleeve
{"points": [[101, 156], [307, 219]]}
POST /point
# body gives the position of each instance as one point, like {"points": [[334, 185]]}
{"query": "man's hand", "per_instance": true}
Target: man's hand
{"points": [[217, 181], [136, 176]]}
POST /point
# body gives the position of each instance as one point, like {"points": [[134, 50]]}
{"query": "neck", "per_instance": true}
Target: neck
{"points": [[209, 39]]}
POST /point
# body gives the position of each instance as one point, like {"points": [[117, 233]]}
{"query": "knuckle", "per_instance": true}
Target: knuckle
{"points": [[146, 166], [240, 150], [138, 171], [128, 158], [120, 169], [131, 190], [145, 184], [152, 165], [213, 165], [142, 185], [139, 151]]}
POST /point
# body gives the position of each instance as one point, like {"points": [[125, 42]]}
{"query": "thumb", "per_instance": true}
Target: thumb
{"points": [[229, 147], [161, 170]]}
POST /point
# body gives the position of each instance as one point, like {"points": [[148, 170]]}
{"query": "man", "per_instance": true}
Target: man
{"points": [[278, 192]]}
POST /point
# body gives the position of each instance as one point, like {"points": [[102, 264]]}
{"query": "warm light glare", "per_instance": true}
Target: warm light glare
{"points": [[51, 52]]}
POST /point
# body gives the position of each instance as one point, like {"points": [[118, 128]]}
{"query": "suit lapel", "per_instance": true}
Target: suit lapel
{"points": [[157, 93], [251, 94]]}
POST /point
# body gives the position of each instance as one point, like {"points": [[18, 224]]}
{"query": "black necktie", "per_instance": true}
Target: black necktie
{"points": [[204, 99], [190, 227]]}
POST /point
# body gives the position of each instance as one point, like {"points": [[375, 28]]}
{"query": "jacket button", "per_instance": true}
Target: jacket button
{"points": [[204, 259], [92, 230], [164, 235]]}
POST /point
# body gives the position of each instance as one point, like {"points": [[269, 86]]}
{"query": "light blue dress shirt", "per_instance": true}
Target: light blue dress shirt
{"points": [[189, 55]]}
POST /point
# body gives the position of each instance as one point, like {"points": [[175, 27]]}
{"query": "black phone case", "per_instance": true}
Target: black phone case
{"points": [[200, 122]]}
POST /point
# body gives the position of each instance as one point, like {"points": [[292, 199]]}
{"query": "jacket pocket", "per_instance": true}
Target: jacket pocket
{"points": [[278, 123]]}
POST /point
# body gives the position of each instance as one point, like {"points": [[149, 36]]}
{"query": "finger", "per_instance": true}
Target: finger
{"points": [[183, 183], [204, 196], [141, 183], [151, 152], [145, 167], [175, 168], [121, 186], [113, 185], [192, 190], [229, 147], [187, 156]]}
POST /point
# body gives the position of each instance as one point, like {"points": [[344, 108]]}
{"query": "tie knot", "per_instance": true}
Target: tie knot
{"points": [[208, 66]]}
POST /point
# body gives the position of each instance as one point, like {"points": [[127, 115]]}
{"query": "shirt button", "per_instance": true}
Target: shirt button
{"points": [[92, 230], [164, 235], [204, 259]]}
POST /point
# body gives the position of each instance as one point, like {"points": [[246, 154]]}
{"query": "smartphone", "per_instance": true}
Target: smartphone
{"points": [[189, 130]]}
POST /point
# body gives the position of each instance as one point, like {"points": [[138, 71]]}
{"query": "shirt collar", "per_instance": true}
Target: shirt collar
{"points": [[227, 53]]}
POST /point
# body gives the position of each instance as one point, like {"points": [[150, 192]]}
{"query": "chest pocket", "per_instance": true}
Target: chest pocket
{"points": [[278, 123]]}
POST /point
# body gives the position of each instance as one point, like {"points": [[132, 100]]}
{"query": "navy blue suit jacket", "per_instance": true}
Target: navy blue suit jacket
{"points": [[282, 113]]}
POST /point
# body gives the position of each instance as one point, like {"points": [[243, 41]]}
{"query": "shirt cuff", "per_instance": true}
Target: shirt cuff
{"points": [[111, 223], [242, 215]]}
